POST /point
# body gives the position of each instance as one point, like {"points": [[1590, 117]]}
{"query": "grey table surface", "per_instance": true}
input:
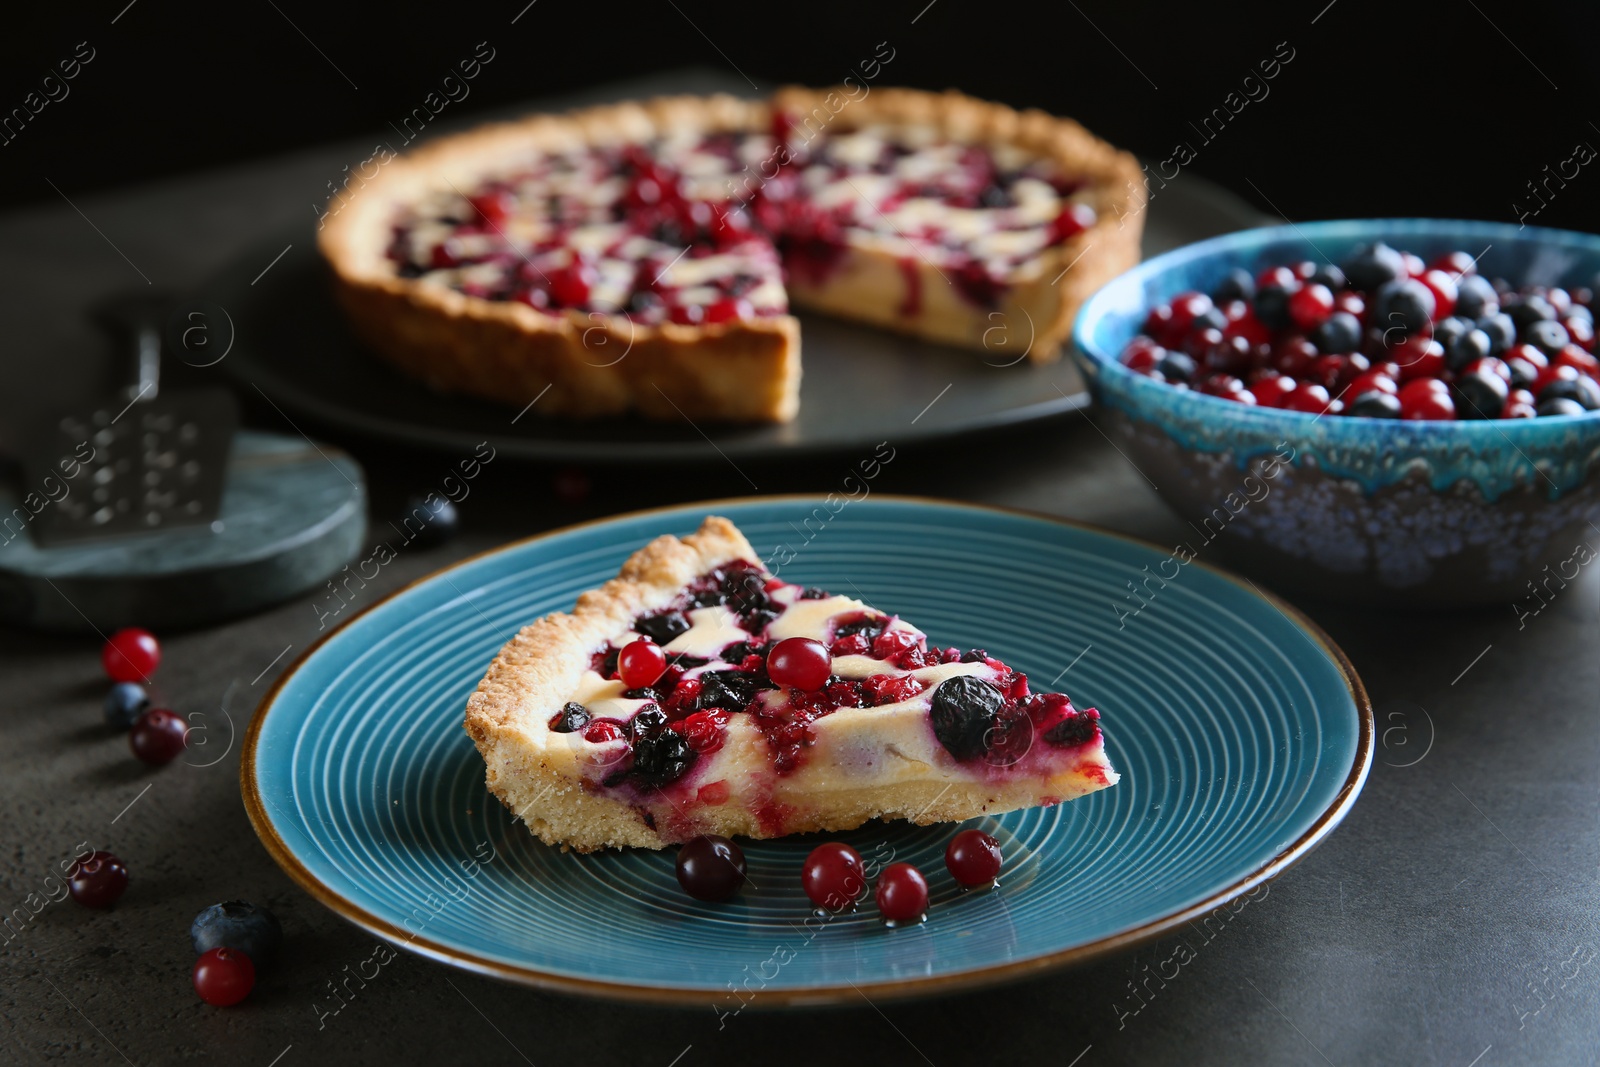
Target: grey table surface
{"points": [[1452, 919]]}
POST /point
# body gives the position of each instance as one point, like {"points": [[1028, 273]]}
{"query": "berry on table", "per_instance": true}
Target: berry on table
{"points": [[902, 894], [973, 858], [235, 924], [710, 868], [833, 876], [640, 663], [130, 655], [223, 976], [800, 663], [159, 736], [97, 880], [125, 703]]}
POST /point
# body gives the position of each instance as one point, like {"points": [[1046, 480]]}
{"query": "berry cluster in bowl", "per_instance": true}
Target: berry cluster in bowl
{"points": [[1383, 334]]}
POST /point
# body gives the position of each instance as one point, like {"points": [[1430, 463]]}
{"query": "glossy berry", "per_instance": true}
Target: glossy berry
{"points": [[1310, 306], [640, 663], [710, 868], [1426, 399], [125, 703], [1374, 404], [223, 976], [1238, 285], [158, 736], [234, 924], [833, 876], [1308, 397], [1176, 367], [973, 858], [602, 731], [902, 894], [570, 719], [963, 712], [428, 520], [97, 880], [131, 655], [1408, 306], [1475, 297], [1338, 333], [1482, 391], [1370, 266], [800, 663]]}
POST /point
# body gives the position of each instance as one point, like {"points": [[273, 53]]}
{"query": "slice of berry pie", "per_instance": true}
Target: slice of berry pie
{"points": [[697, 693], [644, 256]]}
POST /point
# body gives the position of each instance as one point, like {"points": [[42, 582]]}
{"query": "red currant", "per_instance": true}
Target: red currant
{"points": [[1309, 397], [1310, 306], [1444, 291], [902, 894], [159, 736], [1271, 389], [1426, 399], [710, 868], [1454, 264], [131, 655], [1186, 307], [973, 857], [97, 880], [601, 731], [833, 876], [641, 663], [1073, 220], [224, 976], [799, 663]]}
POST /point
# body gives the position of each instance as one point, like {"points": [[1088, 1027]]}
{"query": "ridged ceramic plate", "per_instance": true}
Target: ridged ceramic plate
{"points": [[1241, 733]]}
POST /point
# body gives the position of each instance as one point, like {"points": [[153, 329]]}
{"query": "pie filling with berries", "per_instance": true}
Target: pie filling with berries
{"points": [[644, 256], [696, 693]]}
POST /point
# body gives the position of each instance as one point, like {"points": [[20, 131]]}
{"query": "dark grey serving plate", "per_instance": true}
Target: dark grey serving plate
{"points": [[861, 385]]}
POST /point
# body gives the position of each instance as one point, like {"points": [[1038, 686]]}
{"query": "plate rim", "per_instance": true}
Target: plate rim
{"points": [[895, 989]]}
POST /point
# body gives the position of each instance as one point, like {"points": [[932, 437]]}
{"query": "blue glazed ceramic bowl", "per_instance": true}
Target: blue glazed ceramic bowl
{"points": [[1378, 511]]}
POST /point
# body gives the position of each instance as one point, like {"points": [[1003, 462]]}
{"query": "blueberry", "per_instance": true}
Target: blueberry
{"points": [[1583, 391], [1527, 310], [1374, 404], [1339, 334], [994, 196], [125, 702], [1523, 373], [1468, 347], [1238, 285], [869, 628], [1501, 330], [1408, 305], [757, 621], [1212, 318], [1328, 275], [661, 759], [1482, 393], [730, 690], [1559, 405], [1447, 330], [429, 520], [647, 721], [963, 712], [571, 718], [1547, 335], [642, 302], [811, 592], [1578, 311], [663, 626], [247, 928], [1176, 367], [974, 655], [1272, 307], [1076, 729], [1371, 266], [1475, 297]]}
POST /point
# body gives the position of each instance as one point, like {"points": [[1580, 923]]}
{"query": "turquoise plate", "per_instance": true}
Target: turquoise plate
{"points": [[1242, 734]]}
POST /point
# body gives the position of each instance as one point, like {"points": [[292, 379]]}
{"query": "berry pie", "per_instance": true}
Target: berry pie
{"points": [[645, 256], [696, 693]]}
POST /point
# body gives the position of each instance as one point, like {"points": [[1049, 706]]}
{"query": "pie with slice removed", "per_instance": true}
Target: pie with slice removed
{"points": [[891, 728], [645, 256]]}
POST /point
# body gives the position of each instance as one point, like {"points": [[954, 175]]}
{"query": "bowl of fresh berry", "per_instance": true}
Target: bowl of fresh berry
{"points": [[1385, 411]]}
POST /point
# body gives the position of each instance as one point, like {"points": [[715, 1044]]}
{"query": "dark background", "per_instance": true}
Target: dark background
{"points": [[1445, 109]]}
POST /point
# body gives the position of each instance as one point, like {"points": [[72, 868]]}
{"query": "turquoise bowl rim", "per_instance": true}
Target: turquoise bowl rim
{"points": [[1291, 854], [1102, 327]]}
